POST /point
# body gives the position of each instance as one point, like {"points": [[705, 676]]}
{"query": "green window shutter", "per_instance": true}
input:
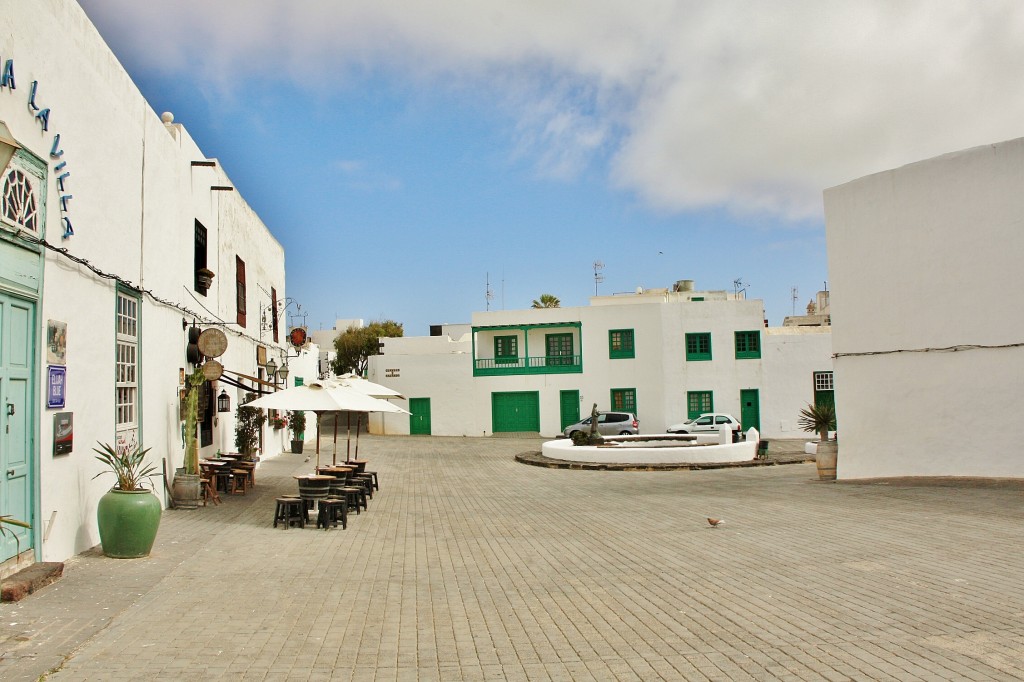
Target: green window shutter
{"points": [[624, 399], [559, 349], [506, 349], [699, 402], [620, 344], [748, 345], [698, 346]]}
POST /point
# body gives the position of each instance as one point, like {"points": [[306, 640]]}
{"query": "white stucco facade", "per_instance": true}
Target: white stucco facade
{"points": [[922, 261], [134, 190], [465, 383]]}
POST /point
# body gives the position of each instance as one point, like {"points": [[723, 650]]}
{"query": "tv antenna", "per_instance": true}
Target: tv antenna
{"points": [[598, 275], [794, 293], [738, 287], [488, 292]]}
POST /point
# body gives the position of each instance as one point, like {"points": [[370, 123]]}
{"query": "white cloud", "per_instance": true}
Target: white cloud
{"points": [[749, 105]]}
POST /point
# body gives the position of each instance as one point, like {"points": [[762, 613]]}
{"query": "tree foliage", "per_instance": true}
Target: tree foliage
{"points": [[547, 301], [356, 344]]}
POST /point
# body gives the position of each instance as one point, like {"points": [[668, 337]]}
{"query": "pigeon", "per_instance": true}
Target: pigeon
{"points": [[715, 523]]}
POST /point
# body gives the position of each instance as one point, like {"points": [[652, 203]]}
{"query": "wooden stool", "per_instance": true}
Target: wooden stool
{"points": [[355, 495], [331, 508], [289, 511], [249, 467], [376, 485], [208, 491], [239, 481], [365, 480]]}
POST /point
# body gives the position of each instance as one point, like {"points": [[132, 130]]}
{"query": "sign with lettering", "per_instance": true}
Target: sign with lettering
{"points": [[55, 386], [391, 373]]}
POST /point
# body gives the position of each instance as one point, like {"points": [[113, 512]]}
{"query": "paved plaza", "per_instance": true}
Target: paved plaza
{"points": [[471, 566]]}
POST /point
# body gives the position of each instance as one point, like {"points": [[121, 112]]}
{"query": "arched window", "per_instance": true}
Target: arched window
{"points": [[20, 204]]}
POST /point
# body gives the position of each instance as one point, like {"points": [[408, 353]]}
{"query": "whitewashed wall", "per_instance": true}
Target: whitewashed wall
{"points": [[442, 370], [135, 197], [921, 258], [791, 356]]}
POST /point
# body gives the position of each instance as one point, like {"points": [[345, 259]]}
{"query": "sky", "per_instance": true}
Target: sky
{"points": [[407, 152]]}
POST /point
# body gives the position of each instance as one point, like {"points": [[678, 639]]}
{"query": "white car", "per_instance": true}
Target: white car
{"points": [[706, 423]]}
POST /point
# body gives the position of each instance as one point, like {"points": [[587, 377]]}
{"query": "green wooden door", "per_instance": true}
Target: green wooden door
{"points": [[17, 325], [515, 411], [419, 420], [569, 403], [750, 409]]}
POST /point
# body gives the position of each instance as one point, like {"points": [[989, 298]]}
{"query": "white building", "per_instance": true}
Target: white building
{"points": [[665, 355], [928, 337], [108, 215]]}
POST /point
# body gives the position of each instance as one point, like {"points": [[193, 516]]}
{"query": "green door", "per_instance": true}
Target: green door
{"points": [[17, 322], [750, 409], [419, 420], [515, 411], [569, 402]]}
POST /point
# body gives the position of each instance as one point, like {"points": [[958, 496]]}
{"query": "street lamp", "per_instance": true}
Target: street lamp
{"points": [[283, 373], [223, 401]]}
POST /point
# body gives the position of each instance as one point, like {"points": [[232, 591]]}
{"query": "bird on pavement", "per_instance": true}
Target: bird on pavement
{"points": [[715, 523]]}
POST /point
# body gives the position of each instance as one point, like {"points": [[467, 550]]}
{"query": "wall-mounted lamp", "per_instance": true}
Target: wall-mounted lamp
{"points": [[223, 402], [8, 145]]}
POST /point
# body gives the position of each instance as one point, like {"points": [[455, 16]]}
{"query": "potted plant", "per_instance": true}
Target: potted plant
{"points": [[185, 489], [128, 515], [820, 419], [204, 278], [248, 422], [297, 423], [278, 422]]}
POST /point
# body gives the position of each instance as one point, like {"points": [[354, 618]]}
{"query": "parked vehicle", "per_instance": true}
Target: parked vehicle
{"points": [[608, 424], [706, 423]]}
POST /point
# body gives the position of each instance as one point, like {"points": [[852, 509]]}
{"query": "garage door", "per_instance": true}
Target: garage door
{"points": [[515, 411]]}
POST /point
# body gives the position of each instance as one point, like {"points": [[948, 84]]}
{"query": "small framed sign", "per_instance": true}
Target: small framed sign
{"points": [[63, 433], [56, 385]]}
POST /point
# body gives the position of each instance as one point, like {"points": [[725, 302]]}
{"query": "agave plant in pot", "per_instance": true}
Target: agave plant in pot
{"points": [[297, 423], [128, 515], [820, 419]]}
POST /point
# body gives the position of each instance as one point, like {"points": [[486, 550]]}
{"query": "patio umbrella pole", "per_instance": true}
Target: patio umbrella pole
{"points": [[348, 442], [334, 458], [359, 422], [317, 439]]}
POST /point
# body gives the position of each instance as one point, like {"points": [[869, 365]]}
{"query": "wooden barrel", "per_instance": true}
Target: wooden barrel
{"points": [[314, 488], [825, 458]]}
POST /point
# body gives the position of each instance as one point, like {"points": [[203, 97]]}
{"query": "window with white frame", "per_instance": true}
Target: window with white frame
{"points": [[823, 381], [127, 368]]}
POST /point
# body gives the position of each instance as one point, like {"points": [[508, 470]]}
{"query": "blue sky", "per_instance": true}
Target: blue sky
{"points": [[403, 151]]}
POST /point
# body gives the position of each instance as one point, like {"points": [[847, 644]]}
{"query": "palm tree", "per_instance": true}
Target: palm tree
{"points": [[547, 301], [818, 418]]}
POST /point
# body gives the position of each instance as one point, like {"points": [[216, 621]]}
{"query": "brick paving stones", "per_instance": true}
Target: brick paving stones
{"points": [[472, 566]]}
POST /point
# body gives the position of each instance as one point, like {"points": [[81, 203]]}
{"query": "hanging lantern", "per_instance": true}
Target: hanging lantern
{"points": [[223, 402]]}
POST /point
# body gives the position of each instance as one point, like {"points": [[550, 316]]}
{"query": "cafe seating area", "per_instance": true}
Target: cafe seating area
{"points": [[332, 491], [324, 498]]}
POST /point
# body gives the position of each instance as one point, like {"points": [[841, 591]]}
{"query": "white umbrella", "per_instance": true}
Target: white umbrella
{"points": [[369, 388], [320, 398]]}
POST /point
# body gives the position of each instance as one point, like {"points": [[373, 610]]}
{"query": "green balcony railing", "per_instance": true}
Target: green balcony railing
{"points": [[543, 364]]}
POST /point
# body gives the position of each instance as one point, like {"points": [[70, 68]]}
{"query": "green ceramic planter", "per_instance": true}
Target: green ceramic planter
{"points": [[128, 521]]}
